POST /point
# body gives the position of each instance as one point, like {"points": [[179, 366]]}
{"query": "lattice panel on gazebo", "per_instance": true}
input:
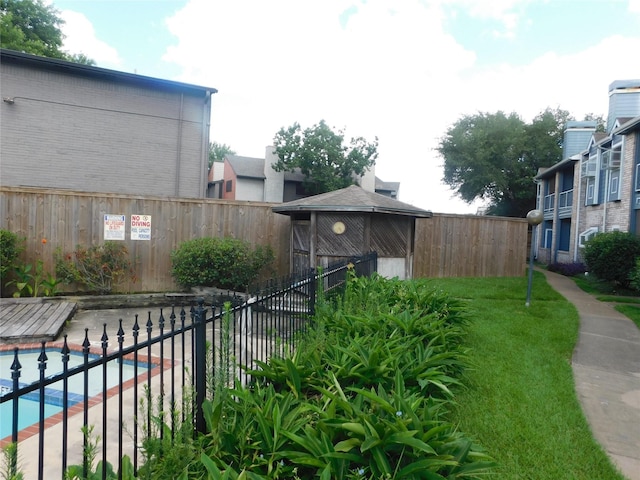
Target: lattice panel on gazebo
{"points": [[389, 235], [346, 244]]}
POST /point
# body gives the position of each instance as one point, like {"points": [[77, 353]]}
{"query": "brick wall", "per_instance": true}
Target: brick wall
{"points": [[88, 134]]}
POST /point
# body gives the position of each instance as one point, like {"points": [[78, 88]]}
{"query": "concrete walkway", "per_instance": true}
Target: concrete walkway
{"points": [[606, 368]]}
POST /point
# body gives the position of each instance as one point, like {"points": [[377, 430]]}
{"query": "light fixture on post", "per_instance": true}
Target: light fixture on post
{"points": [[534, 218]]}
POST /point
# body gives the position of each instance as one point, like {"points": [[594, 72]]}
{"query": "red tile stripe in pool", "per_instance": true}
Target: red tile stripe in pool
{"points": [[93, 401]]}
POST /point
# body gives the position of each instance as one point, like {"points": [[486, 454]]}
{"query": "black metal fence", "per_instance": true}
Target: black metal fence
{"points": [[172, 364]]}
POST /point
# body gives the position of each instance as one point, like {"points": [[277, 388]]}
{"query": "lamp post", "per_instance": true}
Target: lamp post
{"points": [[534, 218]]}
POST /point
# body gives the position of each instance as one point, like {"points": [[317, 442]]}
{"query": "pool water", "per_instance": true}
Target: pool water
{"points": [[28, 406], [28, 413]]}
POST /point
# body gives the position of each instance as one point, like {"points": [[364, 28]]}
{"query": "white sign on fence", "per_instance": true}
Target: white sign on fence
{"points": [[114, 227], [140, 227]]}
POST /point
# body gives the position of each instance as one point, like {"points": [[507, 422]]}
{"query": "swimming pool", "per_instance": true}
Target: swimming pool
{"points": [[28, 408]]}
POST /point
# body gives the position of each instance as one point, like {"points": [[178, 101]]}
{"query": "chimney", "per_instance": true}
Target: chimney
{"points": [[576, 137]]}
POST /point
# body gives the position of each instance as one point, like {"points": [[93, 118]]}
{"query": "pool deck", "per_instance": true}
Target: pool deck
{"points": [[27, 320]]}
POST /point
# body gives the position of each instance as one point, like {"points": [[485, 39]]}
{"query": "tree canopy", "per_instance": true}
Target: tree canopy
{"points": [[494, 157], [323, 157], [31, 26], [217, 152]]}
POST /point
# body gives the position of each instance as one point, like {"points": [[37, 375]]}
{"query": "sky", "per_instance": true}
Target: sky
{"points": [[403, 71]]}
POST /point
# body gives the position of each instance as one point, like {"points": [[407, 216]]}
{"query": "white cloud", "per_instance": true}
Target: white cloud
{"points": [[80, 37], [566, 81], [384, 74], [388, 70], [508, 13]]}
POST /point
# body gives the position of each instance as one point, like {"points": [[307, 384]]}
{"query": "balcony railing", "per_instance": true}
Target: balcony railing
{"points": [[565, 202]]}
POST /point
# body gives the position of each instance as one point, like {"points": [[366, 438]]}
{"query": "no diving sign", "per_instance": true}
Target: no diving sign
{"points": [[140, 227]]}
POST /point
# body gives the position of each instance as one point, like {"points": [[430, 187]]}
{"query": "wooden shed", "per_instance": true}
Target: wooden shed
{"points": [[344, 223]]}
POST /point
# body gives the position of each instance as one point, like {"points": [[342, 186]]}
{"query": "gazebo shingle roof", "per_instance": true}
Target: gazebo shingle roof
{"points": [[351, 199]]}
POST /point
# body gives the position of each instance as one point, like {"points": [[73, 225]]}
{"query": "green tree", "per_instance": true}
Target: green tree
{"points": [[79, 58], [600, 120], [217, 152], [31, 26], [494, 157], [322, 157]]}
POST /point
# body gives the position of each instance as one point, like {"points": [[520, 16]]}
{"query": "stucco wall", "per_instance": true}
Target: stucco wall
{"points": [[250, 189]]}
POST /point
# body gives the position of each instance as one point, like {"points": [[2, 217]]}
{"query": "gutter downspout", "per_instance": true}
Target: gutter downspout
{"points": [[206, 111], [606, 199], [539, 206], [556, 219], [577, 205], [633, 224]]}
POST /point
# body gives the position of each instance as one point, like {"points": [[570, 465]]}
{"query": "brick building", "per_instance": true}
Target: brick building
{"points": [[69, 126]]}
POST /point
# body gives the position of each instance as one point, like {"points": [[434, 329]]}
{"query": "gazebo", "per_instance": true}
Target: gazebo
{"points": [[350, 222]]}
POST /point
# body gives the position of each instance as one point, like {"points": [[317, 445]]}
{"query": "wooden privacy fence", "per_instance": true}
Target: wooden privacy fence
{"points": [[470, 246], [66, 219], [445, 245]]}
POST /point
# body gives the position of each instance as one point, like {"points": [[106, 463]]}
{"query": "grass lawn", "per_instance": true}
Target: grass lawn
{"points": [[630, 311], [628, 301], [521, 404]]}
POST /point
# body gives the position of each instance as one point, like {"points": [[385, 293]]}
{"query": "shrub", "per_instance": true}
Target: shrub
{"points": [[612, 256], [364, 396], [98, 268], [10, 248], [634, 276], [218, 262], [568, 269]]}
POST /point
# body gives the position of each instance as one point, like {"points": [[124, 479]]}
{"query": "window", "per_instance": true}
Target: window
{"points": [[614, 182], [616, 156], [589, 166], [587, 235], [228, 186], [610, 162], [564, 235], [638, 177], [548, 236], [592, 174], [591, 192]]}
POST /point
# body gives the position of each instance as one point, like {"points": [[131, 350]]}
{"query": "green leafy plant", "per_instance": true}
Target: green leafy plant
{"points": [[10, 248], [219, 262], [22, 281], [88, 471], [223, 376], [30, 282], [26, 280], [612, 256], [168, 445], [98, 268], [10, 470], [363, 396]]}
